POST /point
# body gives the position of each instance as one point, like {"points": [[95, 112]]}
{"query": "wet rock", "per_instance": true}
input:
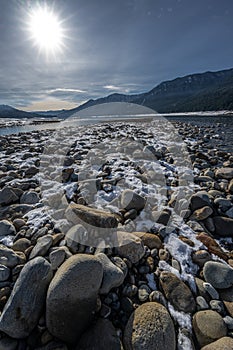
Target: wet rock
{"points": [[131, 200], [112, 275], [77, 282], [23, 309], [101, 336], [224, 343], [177, 292], [6, 228], [218, 274], [223, 226], [129, 246], [150, 327], [208, 326], [91, 216]]}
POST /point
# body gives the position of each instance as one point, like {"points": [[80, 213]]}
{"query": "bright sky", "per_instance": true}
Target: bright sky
{"points": [[95, 48]]}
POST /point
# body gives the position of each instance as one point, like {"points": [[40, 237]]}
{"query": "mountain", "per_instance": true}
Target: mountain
{"points": [[209, 91], [10, 112]]}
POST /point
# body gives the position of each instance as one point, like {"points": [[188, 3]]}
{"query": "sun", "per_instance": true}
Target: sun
{"points": [[46, 30]]}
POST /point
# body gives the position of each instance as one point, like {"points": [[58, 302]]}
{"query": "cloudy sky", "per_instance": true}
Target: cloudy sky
{"points": [[108, 46]]}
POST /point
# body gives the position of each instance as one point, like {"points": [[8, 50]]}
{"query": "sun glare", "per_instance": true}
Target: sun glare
{"points": [[46, 30]]}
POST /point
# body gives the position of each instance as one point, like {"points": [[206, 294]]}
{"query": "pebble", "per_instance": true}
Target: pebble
{"points": [[211, 290]]}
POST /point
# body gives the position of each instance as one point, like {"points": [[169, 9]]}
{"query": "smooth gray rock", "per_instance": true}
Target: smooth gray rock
{"points": [[23, 309], [9, 258], [150, 327], [101, 336], [8, 196], [4, 273], [6, 228], [218, 274], [57, 257], [42, 246], [131, 200], [72, 297], [113, 276], [29, 197]]}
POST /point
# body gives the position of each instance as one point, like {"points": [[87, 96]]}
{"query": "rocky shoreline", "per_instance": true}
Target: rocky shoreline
{"points": [[116, 237]]}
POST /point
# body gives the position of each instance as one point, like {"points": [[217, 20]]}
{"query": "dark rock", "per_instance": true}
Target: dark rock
{"points": [[218, 274], [101, 336], [223, 226], [23, 309], [72, 297]]}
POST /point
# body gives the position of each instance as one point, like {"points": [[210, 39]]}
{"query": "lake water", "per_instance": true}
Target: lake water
{"points": [[225, 124]]}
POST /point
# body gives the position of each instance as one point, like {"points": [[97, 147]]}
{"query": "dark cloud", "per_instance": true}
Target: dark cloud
{"points": [[125, 46]]}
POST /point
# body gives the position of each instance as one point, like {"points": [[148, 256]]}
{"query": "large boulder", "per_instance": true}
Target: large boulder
{"points": [[150, 327], [101, 336], [218, 274], [72, 297], [208, 326], [177, 292], [24, 307], [223, 226], [78, 213]]}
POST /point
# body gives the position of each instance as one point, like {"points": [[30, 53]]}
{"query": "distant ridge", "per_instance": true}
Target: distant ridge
{"points": [[210, 91], [10, 112]]}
